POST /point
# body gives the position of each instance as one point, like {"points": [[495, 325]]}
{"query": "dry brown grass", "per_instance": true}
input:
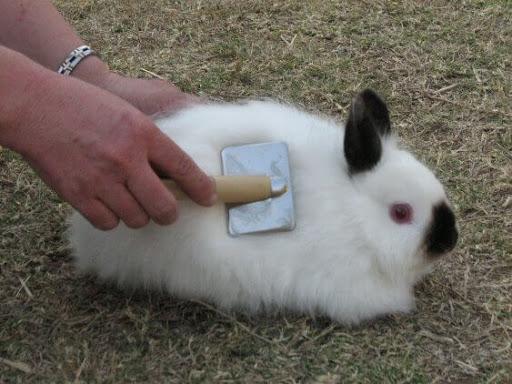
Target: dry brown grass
{"points": [[445, 69]]}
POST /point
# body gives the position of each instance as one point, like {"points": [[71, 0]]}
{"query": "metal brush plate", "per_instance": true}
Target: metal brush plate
{"points": [[274, 214]]}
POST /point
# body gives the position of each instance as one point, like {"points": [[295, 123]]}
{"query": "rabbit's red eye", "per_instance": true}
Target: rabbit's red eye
{"points": [[401, 213]]}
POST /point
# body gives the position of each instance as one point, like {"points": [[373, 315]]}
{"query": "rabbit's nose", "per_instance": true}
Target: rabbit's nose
{"points": [[442, 235]]}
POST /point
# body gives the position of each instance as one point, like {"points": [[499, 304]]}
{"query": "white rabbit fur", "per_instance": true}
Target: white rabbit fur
{"points": [[345, 259]]}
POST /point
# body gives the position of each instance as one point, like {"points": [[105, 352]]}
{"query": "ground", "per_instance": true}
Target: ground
{"points": [[445, 70]]}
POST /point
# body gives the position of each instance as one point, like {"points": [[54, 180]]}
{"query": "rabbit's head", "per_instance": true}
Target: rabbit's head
{"points": [[404, 211]]}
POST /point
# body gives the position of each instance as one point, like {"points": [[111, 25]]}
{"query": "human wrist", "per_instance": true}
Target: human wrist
{"points": [[93, 71]]}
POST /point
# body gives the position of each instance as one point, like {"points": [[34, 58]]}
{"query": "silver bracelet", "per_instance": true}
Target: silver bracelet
{"points": [[74, 58]]}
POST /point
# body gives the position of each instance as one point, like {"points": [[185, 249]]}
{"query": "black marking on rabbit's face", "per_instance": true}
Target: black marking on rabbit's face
{"points": [[368, 121], [442, 235]]}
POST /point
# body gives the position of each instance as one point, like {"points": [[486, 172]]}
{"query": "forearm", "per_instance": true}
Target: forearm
{"points": [[21, 83], [36, 29]]}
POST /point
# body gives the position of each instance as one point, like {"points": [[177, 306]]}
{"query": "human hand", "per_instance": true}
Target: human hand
{"points": [[97, 151], [150, 96]]}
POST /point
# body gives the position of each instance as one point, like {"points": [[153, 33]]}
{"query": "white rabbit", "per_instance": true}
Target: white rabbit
{"points": [[371, 219]]}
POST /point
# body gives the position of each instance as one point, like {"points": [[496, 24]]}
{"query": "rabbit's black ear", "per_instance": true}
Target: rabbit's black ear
{"points": [[368, 121]]}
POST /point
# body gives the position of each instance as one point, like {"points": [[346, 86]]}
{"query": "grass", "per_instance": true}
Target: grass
{"points": [[445, 69]]}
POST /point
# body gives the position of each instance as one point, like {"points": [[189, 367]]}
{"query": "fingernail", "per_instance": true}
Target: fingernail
{"points": [[213, 199]]}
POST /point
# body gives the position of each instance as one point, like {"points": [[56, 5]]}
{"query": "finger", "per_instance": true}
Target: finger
{"points": [[189, 99], [150, 192], [167, 105], [176, 100], [177, 165], [97, 214], [159, 96], [119, 199]]}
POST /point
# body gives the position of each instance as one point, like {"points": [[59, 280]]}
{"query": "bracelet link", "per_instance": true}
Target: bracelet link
{"points": [[74, 58]]}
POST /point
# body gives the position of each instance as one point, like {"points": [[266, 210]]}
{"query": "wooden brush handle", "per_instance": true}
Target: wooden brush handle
{"points": [[233, 189]]}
